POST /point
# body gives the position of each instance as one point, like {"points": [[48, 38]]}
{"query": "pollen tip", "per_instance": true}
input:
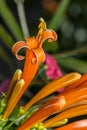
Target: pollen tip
{"points": [[41, 20]]}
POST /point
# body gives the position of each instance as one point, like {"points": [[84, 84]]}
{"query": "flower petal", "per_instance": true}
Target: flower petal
{"points": [[47, 34], [31, 42], [39, 54], [16, 48], [53, 71]]}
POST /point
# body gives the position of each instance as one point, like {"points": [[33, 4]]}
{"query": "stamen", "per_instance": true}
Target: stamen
{"points": [[42, 26]]}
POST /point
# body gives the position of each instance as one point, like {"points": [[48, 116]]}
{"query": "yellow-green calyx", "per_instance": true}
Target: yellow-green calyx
{"points": [[38, 127], [2, 106]]}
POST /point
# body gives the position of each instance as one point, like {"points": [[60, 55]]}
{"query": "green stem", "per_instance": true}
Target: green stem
{"points": [[72, 52], [8, 40], [22, 18], [27, 114], [59, 15], [9, 126], [13, 121]]}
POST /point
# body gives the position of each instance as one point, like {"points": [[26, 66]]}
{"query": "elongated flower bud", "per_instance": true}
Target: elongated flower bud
{"points": [[73, 112], [13, 99], [78, 125], [53, 86], [16, 77]]}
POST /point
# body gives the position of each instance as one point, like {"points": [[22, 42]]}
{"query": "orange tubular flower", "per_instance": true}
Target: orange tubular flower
{"points": [[34, 52], [13, 99], [53, 86], [77, 83], [75, 96], [72, 112], [74, 100], [45, 111], [78, 125]]}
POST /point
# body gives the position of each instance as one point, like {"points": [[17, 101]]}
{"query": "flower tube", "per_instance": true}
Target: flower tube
{"points": [[72, 112], [13, 99], [52, 87], [78, 125], [49, 108], [68, 98], [77, 83]]}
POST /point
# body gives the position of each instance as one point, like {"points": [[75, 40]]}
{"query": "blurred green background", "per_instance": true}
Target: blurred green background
{"points": [[67, 17]]}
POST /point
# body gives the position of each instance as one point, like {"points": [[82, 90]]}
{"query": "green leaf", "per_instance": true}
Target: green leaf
{"points": [[59, 15], [9, 19], [73, 63], [13, 114], [6, 38]]}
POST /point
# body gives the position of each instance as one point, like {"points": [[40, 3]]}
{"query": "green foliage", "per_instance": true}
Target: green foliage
{"points": [[59, 15], [6, 37], [73, 64], [10, 20]]}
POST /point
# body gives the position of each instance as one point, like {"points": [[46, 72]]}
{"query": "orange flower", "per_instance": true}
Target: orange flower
{"points": [[74, 100], [52, 106], [70, 113], [78, 125], [77, 83], [53, 86], [34, 52], [13, 99], [45, 111]]}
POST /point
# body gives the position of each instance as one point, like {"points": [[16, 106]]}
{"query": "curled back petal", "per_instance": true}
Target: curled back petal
{"points": [[16, 48], [39, 55], [47, 34]]}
